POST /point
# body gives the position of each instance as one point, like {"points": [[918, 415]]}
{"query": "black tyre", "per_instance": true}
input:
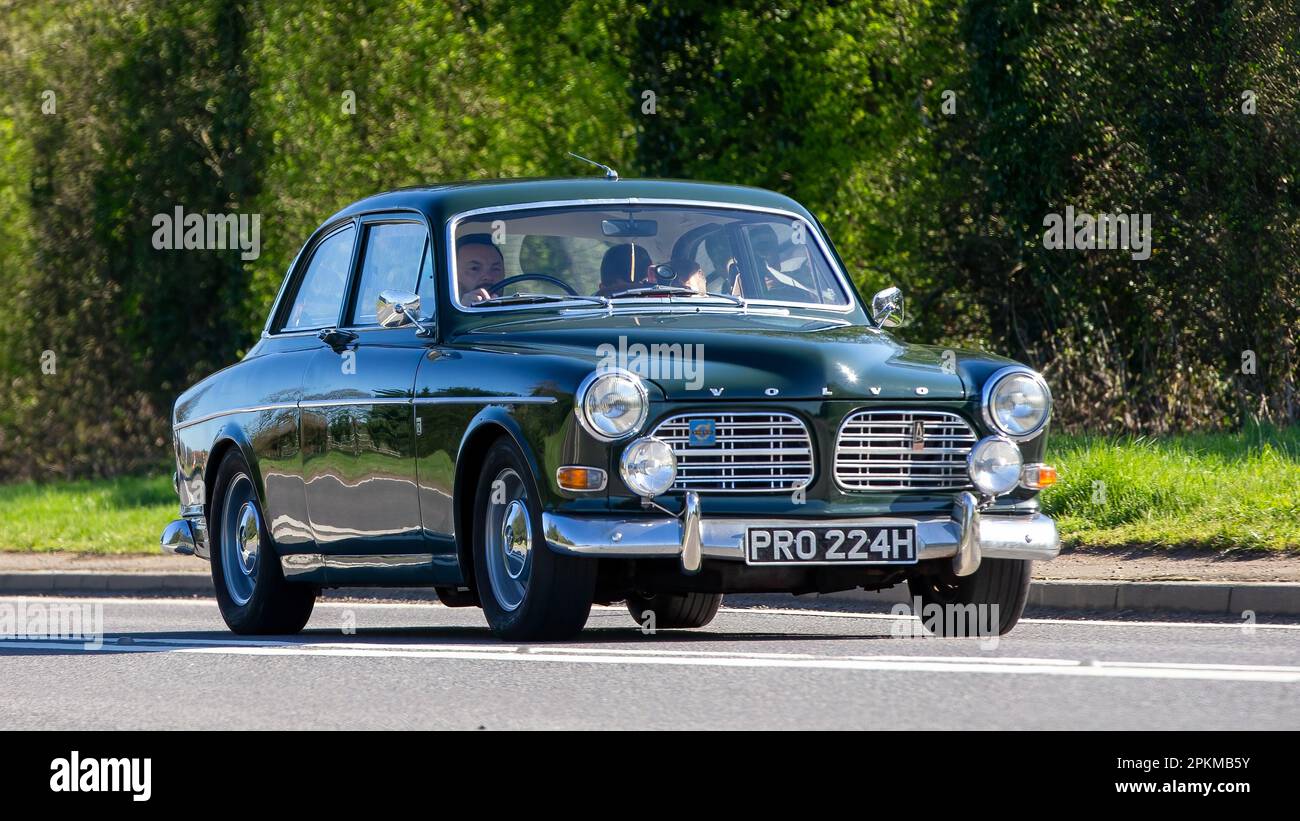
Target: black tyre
{"points": [[674, 610], [528, 592], [1001, 582], [251, 591]]}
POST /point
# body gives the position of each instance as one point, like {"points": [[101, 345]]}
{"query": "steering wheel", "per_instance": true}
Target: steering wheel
{"points": [[498, 287]]}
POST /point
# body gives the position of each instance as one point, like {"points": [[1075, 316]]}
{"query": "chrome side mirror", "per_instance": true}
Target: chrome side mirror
{"points": [[395, 309], [887, 308]]}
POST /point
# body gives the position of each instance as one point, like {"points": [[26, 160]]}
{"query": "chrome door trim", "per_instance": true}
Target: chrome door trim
{"points": [[485, 400], [330, 403], [354, 401], [274, 406]]}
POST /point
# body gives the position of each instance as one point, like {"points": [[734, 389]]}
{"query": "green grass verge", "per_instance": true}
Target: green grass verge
{"points": [[1214, 491], [1223, 491], [124, 515]]}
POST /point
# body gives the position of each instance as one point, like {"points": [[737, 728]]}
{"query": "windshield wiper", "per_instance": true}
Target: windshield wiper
{"points": [[525, 299], [674, 290]]}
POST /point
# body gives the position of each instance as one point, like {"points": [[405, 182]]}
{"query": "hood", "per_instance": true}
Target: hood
{"points": [[722, 356]]}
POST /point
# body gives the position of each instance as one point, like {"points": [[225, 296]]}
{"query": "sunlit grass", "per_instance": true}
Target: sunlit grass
{"points": [[124, 515], [1223, 491]]}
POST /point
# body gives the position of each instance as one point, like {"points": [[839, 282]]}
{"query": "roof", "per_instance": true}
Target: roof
{"points": [[440, 202]]}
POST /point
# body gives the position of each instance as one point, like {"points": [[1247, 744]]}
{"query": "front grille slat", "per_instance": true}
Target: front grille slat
{"points": [[753, 452], [874, 451]]}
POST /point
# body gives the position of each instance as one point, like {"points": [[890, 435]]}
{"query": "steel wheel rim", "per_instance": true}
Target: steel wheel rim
{"points": [[241, 539], [509, 540]]}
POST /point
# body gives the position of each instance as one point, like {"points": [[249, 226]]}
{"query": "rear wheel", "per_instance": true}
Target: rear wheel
{"points": [[528, 591], [251, 591], [1003, 583], [674, 610]]}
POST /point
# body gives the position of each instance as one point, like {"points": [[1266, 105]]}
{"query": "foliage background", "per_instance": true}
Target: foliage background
{"points": [[237, 105]]}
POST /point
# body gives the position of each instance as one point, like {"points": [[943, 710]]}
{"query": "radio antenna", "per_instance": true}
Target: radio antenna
{"points": [[610, 174]]}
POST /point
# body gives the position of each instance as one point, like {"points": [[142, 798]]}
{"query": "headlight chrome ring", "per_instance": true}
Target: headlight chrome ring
{"points": [[638, 393], [990, 394]]}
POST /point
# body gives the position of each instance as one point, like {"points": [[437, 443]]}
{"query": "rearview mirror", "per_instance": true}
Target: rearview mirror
{"points": [[887, 308], [395, 309], [629, 228]]}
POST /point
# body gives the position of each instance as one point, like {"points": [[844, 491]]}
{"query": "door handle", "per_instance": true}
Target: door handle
{"points": [[337, 338]]}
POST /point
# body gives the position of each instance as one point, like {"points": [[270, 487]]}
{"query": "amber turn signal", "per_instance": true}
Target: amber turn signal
{"points": [[573, 477], [1037, 477]]}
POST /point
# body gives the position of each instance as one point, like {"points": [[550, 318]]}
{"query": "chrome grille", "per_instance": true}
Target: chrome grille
{"points": [[752, 453], [876, 450]]}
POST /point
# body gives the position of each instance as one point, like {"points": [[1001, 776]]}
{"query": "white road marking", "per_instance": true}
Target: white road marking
{"points": [[762, 611], [838, 614], [1276, 674]]}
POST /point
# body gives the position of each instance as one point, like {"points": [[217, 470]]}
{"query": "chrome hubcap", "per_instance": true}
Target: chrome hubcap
{"points": [[509, 537], [241, 539], [249, 538]]}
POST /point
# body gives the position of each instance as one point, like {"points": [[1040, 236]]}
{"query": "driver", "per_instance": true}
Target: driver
{"points": [[479, 266]]}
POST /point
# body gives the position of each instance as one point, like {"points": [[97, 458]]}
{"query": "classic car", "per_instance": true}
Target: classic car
{"points": [[536, 395]]}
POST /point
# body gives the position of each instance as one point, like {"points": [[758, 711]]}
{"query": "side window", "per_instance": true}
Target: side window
{"points": [[394, 251], [321, 292]]}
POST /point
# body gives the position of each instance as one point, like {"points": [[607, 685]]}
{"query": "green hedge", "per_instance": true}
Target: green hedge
{"points": [[931, 138]]}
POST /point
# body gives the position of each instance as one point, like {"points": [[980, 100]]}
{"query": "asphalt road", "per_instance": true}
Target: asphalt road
{"points": [[170, 663]]}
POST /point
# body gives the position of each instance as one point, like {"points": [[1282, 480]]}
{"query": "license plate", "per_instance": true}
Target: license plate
{"points": [[888, 544]]}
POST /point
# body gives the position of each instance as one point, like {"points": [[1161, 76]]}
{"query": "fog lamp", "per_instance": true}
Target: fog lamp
{"points": [[994, 465], [648, 467]]}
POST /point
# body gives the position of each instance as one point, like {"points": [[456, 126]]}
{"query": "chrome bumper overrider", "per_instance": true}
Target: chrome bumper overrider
{"points": [[966, 537], [186, 537]]}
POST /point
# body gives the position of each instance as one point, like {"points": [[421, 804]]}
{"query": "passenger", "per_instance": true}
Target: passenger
{"points": [[624, 267], [479, 265], [767, 250]]}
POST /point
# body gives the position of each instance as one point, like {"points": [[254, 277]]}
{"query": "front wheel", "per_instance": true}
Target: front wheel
{"points": [[251, 591], [528, 592], [674, 610], [998, 591]]}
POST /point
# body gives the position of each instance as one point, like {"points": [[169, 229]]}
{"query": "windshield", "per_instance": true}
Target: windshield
{"points": [[641, 252]]}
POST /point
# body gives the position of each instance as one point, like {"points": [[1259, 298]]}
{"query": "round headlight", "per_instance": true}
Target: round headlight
{"points": [[648, 467], [994, 465], [612, 404], [1017, 402]]}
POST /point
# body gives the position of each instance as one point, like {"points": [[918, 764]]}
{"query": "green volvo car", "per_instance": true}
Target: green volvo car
{"points": [[537, 395]]}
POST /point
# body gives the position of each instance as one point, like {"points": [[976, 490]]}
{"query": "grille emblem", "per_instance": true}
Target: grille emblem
{"points": [[918, 435], [704, 433]]}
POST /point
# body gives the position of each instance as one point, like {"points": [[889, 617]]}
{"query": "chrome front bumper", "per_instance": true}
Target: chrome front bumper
{"points": [[966, 537]]}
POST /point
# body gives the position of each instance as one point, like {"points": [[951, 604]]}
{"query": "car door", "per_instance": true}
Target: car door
{"points": [[358, 430], [313, 298]]}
